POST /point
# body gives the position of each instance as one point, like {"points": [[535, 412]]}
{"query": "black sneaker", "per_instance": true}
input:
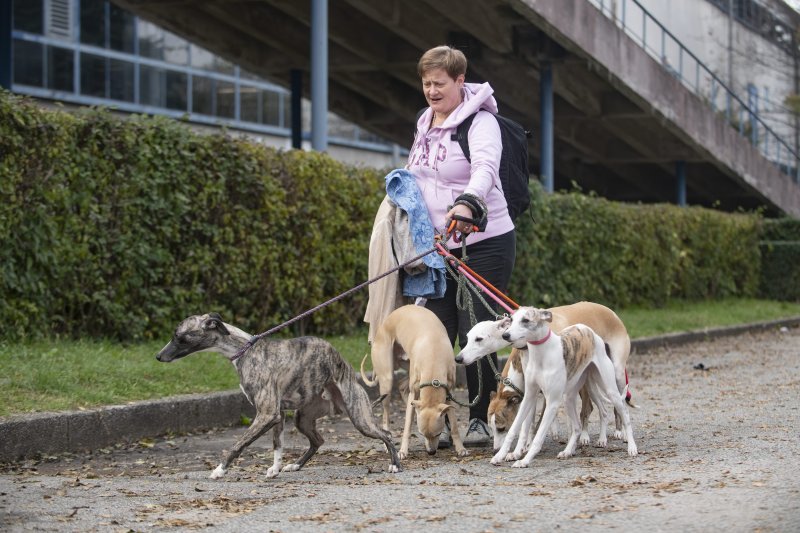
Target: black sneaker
{"points": [[478, 434]]}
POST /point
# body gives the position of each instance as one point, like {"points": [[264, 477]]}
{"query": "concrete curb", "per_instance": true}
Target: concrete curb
{"points": [[24, 436]]}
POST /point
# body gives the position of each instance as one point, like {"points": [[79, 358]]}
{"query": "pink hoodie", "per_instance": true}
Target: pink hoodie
{"points": [[442, 171]]}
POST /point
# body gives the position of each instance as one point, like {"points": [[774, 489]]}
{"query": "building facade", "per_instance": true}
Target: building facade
{"points": [[91, 52]]}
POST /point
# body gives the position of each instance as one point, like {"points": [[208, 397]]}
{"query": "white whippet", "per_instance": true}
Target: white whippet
{"points": [[559, 365]]}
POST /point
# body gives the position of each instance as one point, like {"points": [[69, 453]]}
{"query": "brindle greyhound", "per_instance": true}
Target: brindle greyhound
{"points": [[305, 374]]}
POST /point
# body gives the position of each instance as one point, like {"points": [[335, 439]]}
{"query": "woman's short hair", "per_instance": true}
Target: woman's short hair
{"points": [[452, 61]]}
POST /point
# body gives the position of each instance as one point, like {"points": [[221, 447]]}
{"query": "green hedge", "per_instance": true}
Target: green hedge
{"points": [[113, 228], [119, 228], [582, 247], [780, 251]]}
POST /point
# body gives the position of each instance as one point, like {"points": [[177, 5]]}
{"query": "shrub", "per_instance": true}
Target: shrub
{"points": [[120, 228], [780, 251]]}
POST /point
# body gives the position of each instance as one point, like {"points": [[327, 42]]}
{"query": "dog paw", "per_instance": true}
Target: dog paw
{"points": [[619, 435], [602, 443], [633, 451], [463, 452], [394, 469], [513, 456], [217, 473], [519, 464], [402, 455], [291, 467], [496, 460], [565, 454], [273, 471]]}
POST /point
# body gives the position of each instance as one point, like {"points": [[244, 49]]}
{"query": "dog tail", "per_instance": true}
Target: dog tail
{"points": [[364, 377], [626, 395]]}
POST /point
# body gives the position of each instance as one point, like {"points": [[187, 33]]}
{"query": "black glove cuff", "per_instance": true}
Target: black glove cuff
{"points": [[480, 213]]}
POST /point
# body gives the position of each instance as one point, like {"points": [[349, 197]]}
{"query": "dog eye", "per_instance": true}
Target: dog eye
{"points": [[478, 339], [525, 320]]}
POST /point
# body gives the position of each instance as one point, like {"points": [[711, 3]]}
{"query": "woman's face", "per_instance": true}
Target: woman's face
{"points": [[442, 92]]}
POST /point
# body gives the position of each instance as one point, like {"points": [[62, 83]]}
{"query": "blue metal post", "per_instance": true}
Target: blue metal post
{"points": [[297, 108], [319, 75], [680, 173], [546, 97], [5, 44]]}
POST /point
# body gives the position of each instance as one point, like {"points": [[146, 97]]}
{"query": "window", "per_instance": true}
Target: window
{"points": [[28, 63], [226, 99], [203, 59], [122, 28], [93, 75], [121, 80], [202, 95], [60, 62], [176, 91], [93, 22], [29, 16], [271, 111], [249, 103], [152, 86]]}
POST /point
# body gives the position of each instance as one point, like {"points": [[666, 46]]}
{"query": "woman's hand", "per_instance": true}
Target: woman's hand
{"points": [[460, 210]]}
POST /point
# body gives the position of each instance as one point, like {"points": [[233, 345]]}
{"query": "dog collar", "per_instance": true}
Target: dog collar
{"points": [[542, 341]]}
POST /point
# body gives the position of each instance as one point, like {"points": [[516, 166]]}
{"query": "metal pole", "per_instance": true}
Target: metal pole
{"points": [[5, 43], [296, 81], [319, 75], [546, 98], [680, 173]]}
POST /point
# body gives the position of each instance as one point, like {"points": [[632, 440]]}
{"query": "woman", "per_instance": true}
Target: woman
{"points": [[452, 185]]}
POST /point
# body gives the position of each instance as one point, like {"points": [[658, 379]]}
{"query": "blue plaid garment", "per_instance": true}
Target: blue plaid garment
{"points": [[401, 187]]}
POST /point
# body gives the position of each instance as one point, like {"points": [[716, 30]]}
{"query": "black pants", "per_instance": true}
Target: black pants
{"points": [[493, 259]]}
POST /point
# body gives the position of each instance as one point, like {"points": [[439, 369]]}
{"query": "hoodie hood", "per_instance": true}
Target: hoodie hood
{"points": [[476, 96]]}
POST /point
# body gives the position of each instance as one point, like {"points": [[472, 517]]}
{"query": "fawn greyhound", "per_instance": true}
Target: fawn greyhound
{"points": [[431, 373], [305, 374]]}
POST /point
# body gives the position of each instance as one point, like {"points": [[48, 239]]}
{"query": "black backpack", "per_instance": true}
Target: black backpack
{"points": [[513, 169]]}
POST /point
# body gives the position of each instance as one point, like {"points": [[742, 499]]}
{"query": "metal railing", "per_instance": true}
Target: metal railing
{"points": [[638, 23]]}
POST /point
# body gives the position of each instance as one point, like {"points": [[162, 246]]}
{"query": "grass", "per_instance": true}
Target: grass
{"points": [[65, 375]]}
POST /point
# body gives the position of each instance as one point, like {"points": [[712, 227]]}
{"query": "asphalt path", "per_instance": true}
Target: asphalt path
{"points": [[718, 429]]}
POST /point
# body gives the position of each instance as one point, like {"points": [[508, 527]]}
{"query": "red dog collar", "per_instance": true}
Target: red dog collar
{"points": [[542, 341]]}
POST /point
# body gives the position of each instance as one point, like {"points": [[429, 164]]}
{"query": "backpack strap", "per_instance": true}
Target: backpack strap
{"points": [[461, 135]]}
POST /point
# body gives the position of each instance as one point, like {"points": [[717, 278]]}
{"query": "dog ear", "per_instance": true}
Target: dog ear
{"points": [[214, 321], [504, 323], [546, 315], [492, 395], [514, 399], [416, 403], [443, 408]]}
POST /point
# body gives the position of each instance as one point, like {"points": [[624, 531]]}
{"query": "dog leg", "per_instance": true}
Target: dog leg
{"points": [[606, 372], [277, 447], [586, 410], [619, 405], [356, 403], [600, 399], [571, 407], [553, 403], [306, 423], [455, 433], [262, 423], [528, 430], [526, 409], [407, 427]]}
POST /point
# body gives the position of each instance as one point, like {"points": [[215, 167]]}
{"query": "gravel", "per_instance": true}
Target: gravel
{"points": [[717, 427]]}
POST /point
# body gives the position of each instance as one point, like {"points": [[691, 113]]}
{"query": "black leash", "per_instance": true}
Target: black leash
{"points": [[249, 344]]}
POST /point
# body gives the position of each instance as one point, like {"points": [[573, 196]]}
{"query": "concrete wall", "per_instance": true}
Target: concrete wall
{"points": [[751, 60]]}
